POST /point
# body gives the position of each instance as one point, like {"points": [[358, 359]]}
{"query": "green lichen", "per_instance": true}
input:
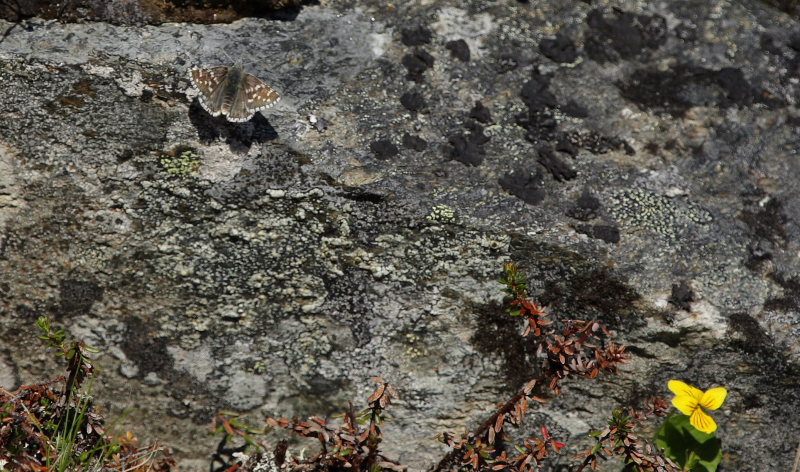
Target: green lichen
{"points": [[441, 214], [641, 209], [183, 165]]}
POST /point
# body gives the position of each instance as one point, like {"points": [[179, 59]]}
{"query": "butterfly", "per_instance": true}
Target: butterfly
{"points": [[232, 92]]}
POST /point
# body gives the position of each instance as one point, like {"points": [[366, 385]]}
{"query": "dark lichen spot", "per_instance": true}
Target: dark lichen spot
{"points": [[383, 148], [559, 169], [125, 156], [27, 312], [586, 207], [142, 347], [416, 64], [415, 143], [322, 387], [413, 101], [524, 185], [416, 36], [788, 6], [535, 93], [767, 222], [459, 49], [539, 125], [540, 121], [686, 86], [480, 113], [366, 197], [559, 49], [622, 35], [607, 233], [564, 145], [682, 296], [468, 148], [76, 297], [790, 301], [476, 130], [574, 109], [506, 63], [794, 41]]}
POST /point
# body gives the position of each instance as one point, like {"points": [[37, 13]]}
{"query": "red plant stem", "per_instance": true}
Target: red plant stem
{"points": [[506, 408]]}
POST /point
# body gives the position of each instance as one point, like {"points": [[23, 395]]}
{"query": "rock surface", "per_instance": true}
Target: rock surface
{"points": [[638, 159]]}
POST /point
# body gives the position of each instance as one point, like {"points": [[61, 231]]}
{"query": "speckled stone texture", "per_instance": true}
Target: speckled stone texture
{"points": [[638, 159]]}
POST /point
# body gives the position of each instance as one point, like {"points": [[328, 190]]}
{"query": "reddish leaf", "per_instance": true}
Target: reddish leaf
{"points": [[529, 386], [377, 394], [498, 423]]}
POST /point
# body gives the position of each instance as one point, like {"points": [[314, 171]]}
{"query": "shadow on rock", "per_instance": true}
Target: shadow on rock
{"points": [[239, 136]]}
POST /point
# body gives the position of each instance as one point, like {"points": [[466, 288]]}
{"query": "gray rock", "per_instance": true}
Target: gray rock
{"points": [[274, 266]]}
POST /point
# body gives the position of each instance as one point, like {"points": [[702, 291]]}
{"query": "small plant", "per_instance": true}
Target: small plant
{"points": [[580, 349], [619, 438], [353, 445], [47, 430]]}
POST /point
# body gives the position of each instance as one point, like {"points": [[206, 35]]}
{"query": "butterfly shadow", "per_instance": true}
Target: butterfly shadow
{"points": [[239, 136]]}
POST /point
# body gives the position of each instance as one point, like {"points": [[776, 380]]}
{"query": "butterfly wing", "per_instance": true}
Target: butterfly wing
{"points": [[260, 96], [253, 95], [211, 84]]}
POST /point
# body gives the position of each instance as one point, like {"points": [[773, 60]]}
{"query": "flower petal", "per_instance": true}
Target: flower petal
{"points": [[702, 421], [685, 404], [713, 398], [683, 389]]}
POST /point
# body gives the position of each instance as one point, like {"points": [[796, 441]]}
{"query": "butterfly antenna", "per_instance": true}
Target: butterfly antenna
{"points": [[228, 56], [248, 64]]}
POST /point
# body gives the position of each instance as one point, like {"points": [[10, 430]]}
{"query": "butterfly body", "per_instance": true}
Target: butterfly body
{"points": [[232, 92]]}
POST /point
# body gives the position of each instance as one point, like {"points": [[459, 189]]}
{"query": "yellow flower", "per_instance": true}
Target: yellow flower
{"points": [[692, 401]]}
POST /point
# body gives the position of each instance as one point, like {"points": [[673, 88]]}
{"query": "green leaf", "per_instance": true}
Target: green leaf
{"points": [[688, 446]]}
